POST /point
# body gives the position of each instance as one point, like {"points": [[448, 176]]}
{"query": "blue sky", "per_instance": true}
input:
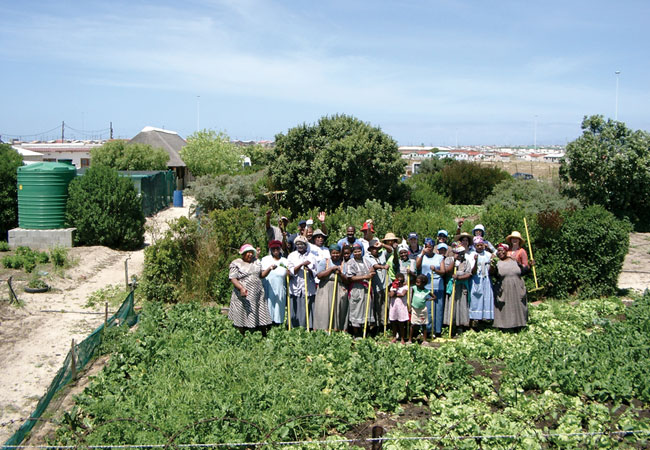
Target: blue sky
{"points": [[431, 72]]}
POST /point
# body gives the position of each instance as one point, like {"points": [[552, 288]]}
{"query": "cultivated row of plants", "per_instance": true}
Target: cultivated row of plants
{"points": [[579, 367]]}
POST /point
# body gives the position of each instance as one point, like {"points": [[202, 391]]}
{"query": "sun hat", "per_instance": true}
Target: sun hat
{"points": [[465, 234], [441, 246], [460, 249], [367, 225], [515, 234], [390, 237], [275, 244], [479, 227], [247, 248], [443, 232], [428, 241], [302, 223], [300, 239], [284, 218], [318, 232], [412, 236]]}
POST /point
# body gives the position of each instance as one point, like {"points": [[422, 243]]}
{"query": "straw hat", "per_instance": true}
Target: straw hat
{"points": [[515, 234], [390, 237], [465, 234]]}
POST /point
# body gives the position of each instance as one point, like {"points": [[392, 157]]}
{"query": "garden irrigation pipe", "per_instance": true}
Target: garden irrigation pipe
{"points": [[453, 295], [365, 324], [530, 250], [336, 282], [386, 305], [288, 313], [304, 274]]}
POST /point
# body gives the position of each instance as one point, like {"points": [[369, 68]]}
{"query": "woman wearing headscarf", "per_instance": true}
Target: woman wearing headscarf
{"points": [[481, 306], [333, 281], [479, 230], [359, 272], [275, 290], [248, 309], [510, 305], [301, 263]]}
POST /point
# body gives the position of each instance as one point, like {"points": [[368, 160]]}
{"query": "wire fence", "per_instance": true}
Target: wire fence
{"points": [[369, 436]]}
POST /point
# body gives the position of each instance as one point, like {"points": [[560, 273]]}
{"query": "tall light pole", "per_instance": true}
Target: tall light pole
{"points": [[198, 112], [535, 134], [618, 72]]}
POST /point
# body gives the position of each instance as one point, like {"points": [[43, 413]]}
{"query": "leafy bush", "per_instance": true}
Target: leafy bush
{"points": [[25, 258], [531, 196], [120, 155], [423, 192], [4, 246], [608, 165], [106, 210], [10, 161], [211, 153], [467, 183], [586, 255], [424, 222], [228, 191], [339, 161], [167, 261], [59, 256]]}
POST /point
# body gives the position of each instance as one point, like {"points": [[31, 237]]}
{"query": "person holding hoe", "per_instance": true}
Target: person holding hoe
{"points": [[302, 288]]}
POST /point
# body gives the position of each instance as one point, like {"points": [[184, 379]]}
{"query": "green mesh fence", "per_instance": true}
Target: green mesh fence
{"points": [[83, 352], [157, 191]]}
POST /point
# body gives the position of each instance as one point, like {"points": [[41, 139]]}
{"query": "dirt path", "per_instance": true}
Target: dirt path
{"points": [[636, 268], [34, 343]]}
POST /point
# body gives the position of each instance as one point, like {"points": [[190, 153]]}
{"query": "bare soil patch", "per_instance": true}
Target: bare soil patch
{"points": [[36, 337]]}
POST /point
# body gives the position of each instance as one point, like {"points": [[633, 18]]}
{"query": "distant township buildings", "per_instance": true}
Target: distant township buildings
{"points": [[414, 155]]}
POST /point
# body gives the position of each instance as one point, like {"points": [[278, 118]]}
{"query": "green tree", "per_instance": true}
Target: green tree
{"points": [[105, 209], [467, 183], [10, 161], [120, 155], [210, 153], [609, 165], [338, 161]]}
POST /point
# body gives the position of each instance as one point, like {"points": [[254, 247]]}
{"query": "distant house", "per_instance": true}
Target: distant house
{"points": [[29, 156], [172, 143], [75, 152], [555, 157]]}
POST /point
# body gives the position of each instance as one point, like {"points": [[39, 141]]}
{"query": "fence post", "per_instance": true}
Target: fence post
{"points": [[105, 315], [73, 361], [126, 271], [377, 432]]}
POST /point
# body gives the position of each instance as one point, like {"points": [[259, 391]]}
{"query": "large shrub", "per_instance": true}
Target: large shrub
{"points": [[105, 210], [585, 256], [211, 153], [466, 183], [609, 165], [338, 161], [120, 155], [168, 261], [10, 161], [229, 191]]}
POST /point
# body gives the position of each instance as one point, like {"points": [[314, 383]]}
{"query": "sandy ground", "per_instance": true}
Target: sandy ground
{"points": [[636, 268], [34, 343]]}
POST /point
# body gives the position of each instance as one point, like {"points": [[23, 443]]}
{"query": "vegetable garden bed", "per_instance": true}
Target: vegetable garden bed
{"points": [[185, 375]]}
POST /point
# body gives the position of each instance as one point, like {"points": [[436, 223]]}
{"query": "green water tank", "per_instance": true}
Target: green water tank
{"points": [[42, 194]]}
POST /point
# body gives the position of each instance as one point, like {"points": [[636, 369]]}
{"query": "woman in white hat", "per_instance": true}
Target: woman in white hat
{"points": [[479, 230], [248, 309], [517, 251]]}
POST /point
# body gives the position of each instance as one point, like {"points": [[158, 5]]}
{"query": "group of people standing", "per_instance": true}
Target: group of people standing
{"points": [[365, 284]]}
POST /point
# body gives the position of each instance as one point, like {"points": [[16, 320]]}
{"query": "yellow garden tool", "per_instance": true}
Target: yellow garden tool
{"points": [[530, 250], [304, 273], [451, 311], [386, 306], [288, 304], [336, 281], [365, 325], [408, 302]]}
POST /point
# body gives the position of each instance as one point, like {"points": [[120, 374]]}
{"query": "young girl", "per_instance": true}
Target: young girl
{"points": [[398, 314], [419, 298]]}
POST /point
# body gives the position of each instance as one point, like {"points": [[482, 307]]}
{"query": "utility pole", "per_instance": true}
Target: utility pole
{"points": [[62, 131], [617, 73], [111, 132]]}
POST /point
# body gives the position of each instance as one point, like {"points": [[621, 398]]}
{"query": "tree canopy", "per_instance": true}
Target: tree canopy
{"points": [[120, 155], [211, 153], [10, 160], [609, 165], [338, 161]]}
